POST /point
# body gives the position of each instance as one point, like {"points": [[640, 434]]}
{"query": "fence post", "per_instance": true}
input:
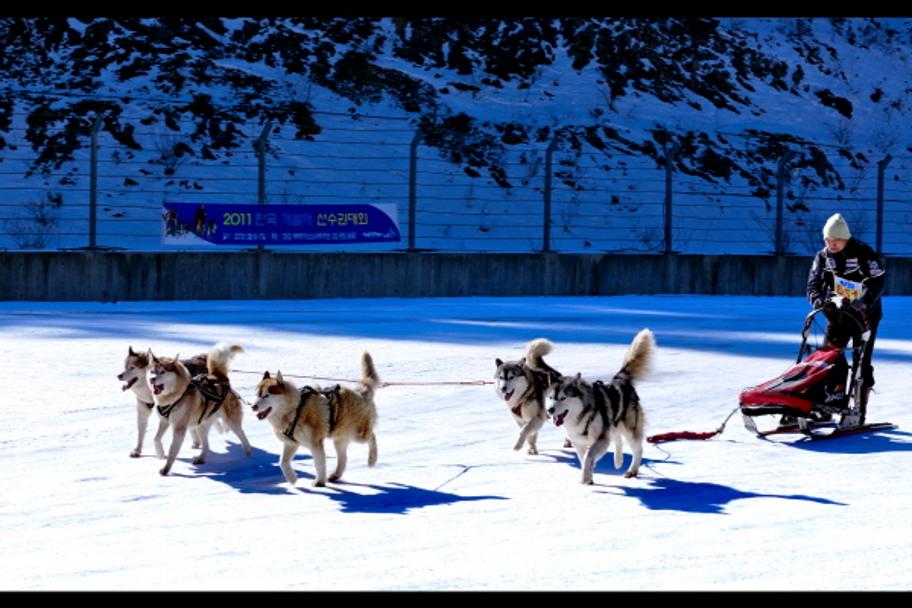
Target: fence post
{"points": [[413, 187], [780, 180], [261, 153], [261, 178], [549, 154], [93, 183], [670, 155], [881, 168]]}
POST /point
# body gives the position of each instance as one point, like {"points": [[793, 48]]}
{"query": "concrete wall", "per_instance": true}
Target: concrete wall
{"points": [[111, 276]]}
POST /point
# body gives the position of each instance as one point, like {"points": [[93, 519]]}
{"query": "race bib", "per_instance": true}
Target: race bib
{"points": [[850, 290]]}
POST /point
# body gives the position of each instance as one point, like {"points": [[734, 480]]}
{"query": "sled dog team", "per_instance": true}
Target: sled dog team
{"points": [[193, 394]]}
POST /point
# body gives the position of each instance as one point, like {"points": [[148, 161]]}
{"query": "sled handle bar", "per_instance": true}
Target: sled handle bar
{"points": [[809, 321]]}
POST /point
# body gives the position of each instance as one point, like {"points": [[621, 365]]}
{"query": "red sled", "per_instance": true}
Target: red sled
{"points": [[811, 396], [814, 390], [804, 388]]}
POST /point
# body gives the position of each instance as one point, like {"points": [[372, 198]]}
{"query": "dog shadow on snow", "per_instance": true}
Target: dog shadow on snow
{"points": [[247, 474], [666, 494], [392, 498], [260, 474], [605, 465]]}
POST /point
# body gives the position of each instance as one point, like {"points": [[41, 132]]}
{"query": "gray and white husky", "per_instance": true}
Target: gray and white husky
{"points": [[522, 384], [595, 413]]}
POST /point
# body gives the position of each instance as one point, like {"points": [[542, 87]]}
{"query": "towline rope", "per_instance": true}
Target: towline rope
{"points": [[382, 384]]}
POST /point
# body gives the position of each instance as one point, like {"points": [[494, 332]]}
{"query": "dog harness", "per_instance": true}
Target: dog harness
{"points": [[332, 398], [618, 397], [600, 408], [540, 381], [213, 392], [165, 410]]}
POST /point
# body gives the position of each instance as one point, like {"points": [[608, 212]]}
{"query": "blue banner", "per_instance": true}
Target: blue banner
{"points": [[224, 224]]}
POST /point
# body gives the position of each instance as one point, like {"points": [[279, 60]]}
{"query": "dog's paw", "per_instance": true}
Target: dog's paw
{"points": [[586, 482], [568, 443], [629, 474], [195, 445], [134, 454], [518, 445], [163, 471], [318, 484], [199, 460], [334, 478], [532, 451], [292, 480]]}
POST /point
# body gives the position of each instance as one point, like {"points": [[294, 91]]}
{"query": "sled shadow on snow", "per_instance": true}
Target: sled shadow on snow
{"points": [[260, 474], [892, 440], [667, 494]]}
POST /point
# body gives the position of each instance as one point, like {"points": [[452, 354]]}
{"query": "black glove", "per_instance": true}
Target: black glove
{"points": [[830, 309], [857, 304], [817, 304]]}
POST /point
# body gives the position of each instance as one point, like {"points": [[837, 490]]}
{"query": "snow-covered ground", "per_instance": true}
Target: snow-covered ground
{"points": [[450, 505]]}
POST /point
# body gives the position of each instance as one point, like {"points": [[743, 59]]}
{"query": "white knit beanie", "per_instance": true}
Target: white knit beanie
{"points": [[837, 228]]}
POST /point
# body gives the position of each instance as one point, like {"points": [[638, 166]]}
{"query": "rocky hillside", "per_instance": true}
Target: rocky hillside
{"points": [[731, 94]]}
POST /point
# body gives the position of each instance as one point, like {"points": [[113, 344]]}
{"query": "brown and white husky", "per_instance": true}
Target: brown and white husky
{"points": [[190, 404], [309, 415]]}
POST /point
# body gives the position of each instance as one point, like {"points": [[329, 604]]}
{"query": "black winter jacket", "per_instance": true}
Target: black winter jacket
{"points": [[857, 262]]}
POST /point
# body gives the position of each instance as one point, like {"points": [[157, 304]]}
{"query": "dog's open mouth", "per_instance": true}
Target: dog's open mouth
{"points": [[129, 384], [559, 419], [264, 413], [158, 388], [508, 396]]}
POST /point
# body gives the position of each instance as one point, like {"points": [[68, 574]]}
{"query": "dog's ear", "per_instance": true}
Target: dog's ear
{"points": [[279, 379], [266, 375], [522, 361], [177, 357], [131, 353], [578, 377], [151, 356], [498, 362]]}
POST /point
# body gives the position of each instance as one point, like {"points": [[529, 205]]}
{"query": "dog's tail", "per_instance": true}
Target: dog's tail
{"points": [[537, 349], [639, 355], [219, 357], [369, 377]]}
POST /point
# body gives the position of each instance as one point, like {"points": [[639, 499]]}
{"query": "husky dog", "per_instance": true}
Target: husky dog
{"points": [[596, 413], [521, 384], [134, 377], [311, 414], [191, 402]]}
